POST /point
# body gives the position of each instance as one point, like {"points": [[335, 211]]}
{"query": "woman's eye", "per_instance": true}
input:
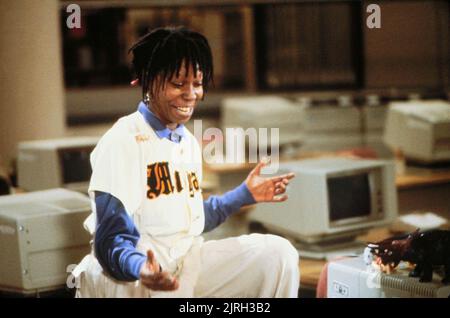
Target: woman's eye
{"points": [[198, 84], [177, 84]]}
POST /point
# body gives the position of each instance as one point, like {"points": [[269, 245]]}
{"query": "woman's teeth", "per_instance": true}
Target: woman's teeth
{"points": [[184, 109]]}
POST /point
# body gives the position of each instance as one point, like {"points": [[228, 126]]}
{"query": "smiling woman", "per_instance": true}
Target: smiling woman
{"points": [[173, 82], [149, 212], [176, 102], [183, 49]]}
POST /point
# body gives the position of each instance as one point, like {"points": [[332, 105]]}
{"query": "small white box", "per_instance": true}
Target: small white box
{"points": [[352, 278]]}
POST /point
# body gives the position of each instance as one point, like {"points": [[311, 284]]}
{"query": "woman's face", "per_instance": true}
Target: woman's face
{"points": [[174, 103]]}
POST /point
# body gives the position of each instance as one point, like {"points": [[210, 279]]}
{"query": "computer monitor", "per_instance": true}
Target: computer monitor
{"points": [[330, 124], [331, 201], [420, 130], [55, 163], [41, 238], [264, 112]]}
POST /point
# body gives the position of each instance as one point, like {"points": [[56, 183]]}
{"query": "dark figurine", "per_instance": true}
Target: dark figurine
{"points": [[424, 249]]}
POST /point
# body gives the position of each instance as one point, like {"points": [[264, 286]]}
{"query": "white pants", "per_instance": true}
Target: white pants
{"points": [[254, 265]]}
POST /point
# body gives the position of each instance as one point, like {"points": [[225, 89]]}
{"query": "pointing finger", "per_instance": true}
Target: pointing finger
{"points": [[287, 176]]}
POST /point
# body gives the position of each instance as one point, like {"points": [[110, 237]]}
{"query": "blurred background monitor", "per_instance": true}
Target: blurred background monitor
{"points": [[420, 130], [41, 234], [265, 112], [55, 163], [330, 124]]}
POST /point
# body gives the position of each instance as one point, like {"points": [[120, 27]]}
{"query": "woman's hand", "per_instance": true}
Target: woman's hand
{"points": [[265, 189], [154, 278]]}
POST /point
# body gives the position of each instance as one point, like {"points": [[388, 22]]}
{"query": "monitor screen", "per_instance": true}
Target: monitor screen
{"points": [[349, 196], [75, 164]]}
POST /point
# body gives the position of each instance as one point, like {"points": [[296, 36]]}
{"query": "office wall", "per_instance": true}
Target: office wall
{"points": [[31, 90], [410, 50]]}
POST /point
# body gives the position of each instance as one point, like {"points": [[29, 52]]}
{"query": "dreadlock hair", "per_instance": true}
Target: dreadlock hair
{"points": [[162, 51]]}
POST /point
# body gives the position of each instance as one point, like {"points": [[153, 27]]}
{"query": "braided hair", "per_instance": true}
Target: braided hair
{"points": [[162, 51]]}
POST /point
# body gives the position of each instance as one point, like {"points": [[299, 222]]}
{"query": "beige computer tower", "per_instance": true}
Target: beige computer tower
{"points": [[41, 235]]}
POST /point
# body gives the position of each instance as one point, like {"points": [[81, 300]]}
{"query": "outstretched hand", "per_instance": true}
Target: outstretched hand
{"points": [[154, 278], [267, 189]]}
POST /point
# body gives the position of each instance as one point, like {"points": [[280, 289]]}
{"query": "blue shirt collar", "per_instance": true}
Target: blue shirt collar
{"points": [[160, 129]]}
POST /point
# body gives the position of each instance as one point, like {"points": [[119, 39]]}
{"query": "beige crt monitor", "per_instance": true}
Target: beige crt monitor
{"points": [[330, 125], [41, 235], [332, 200], [261, 112], [420, 130], [55, 163]]}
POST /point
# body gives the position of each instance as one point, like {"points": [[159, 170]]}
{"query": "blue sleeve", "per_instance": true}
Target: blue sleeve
{"points": [[115, 239], [218, 208]]}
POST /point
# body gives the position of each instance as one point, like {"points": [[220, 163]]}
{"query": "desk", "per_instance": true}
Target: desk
{"points": [[419, 177], [419, 189]]}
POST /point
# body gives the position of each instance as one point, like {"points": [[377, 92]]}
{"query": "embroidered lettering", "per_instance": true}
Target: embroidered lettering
{"points": [[141, 138], [178, 181], [193, 183], [158, 180]]}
